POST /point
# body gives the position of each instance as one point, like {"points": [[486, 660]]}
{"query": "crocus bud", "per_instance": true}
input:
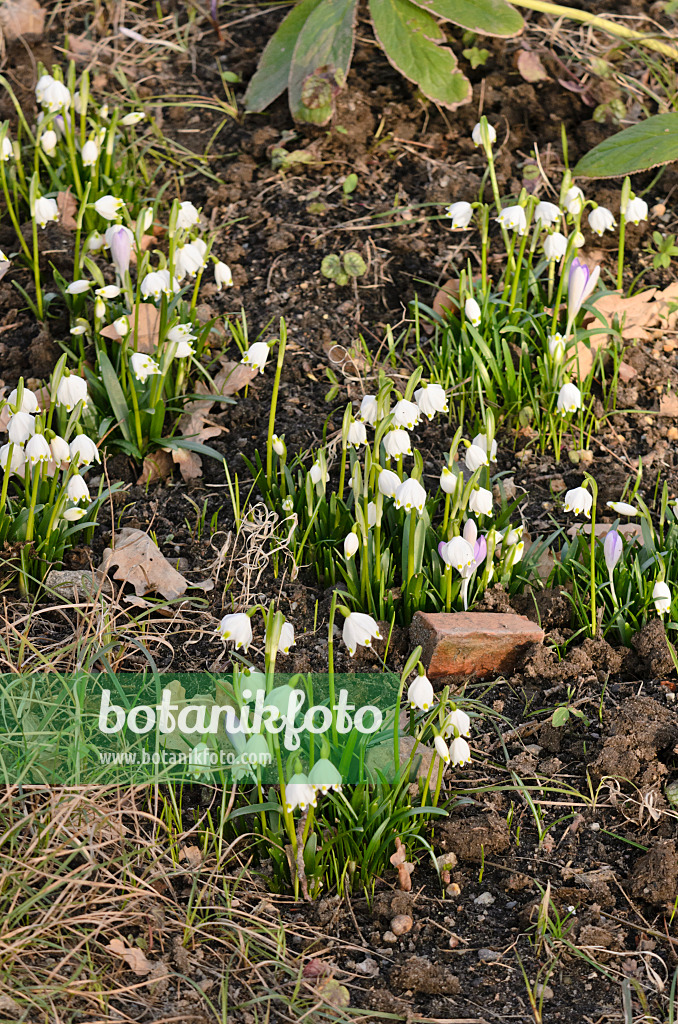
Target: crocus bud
{"points": [[613, 550], [119, 240]]}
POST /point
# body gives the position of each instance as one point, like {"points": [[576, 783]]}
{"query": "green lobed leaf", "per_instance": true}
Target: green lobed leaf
{"points": [[354, 264], [321, 59], [638, 148], [273, 72], [408, 36], [485, 17]]}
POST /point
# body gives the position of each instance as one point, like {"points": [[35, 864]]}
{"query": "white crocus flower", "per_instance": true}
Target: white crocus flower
{"points": [[83, 450], [448, 480], [410, 495], [77, 489], [18, 459], [458, 720], [442, 749], [601, 219], [299, 793], [574, 200], [29, 401], [21, 426], [460, 214], [286, 637], [406, 414], [622, 508], [48, 142], [223, 277], [357, 434], [90, 153], [458, 553], [60, 450], [636, 210], [37, 449], [351, 545], [387, 483], [237, 628], [513, 218], [369, 409], [257, 355], [71, 390], [108, 207], [480, 501], [472, 312], [477, 135], [420, 693], [579, 501], [188, 216], [359, 631], [661, 595], [143, 366], [397, 444], [569, 399], [475, 458], [481, 441], [460, 752], [45, 210], [547, 214], [431, 398], [555, 246]]}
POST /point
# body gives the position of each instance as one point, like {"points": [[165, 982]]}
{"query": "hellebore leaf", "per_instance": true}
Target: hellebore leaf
{"points": [[322, 57], [486, 17], [638, 148], [273, 71], [409, 37]]}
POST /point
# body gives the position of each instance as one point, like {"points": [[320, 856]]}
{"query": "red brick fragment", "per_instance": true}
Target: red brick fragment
{"points": [[461, 644]]}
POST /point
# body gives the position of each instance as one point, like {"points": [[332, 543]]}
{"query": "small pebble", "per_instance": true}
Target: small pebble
{"points": [[454, 942], [486, 899], [488, 956], [543, 992], [453, 890], [534, 748], [401, 924], [594, 826], [389, 937]]}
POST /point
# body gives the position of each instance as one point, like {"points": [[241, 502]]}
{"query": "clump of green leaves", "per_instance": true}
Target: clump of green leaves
{"points": [[343, 268], [663, 251]]}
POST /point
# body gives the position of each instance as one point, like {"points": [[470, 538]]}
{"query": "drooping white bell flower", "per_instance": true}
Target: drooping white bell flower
{"points": [[286, 637], [52, 95], [143, 366], [448, 480], [457, 552], [477, 134], [622, 508], [351, 545], [223, 278], [21, 426], [48, 142], [369, 409], [299, 793], [460, 214], [18, 459], [387, 483], [556, 344], [6, 150], [73, 514], [579, 501], [601, 220], [109, 291], [90, 153], [573, 200], [397, 444], [236, 627], [37, 449], [60, 451], [636, 210], [79, 286], [547, 214], [480, 501], [472, 312], [442, 749], [77, 490], [318, 475], [475, 457], [29, 401], [406, 414], [83, 450], [324, 776], [257, 356], [129, 120], [555, 246], [420, 693], [45, 210], [371, 514], [431, 398], [481, 441], [71, 390], [359, 631], [122, 326], [153, 285], [513, 218], [458, 720], [569, 399], [279, 446], [357, 434], [190, 258], [108, 207], [460, 752], [188, 216], [410, 495], [661, 595]]}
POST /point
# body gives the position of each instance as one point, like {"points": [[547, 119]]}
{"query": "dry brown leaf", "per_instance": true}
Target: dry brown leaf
{"points": [[81, 48], [531, 67], [668, 404], [140, 562], [447, 299], [189, 463], [191, 855], [634, 314], [232, 377], [157, 467], [68, 208], [21, 18], [145, 327], [134, 957]]}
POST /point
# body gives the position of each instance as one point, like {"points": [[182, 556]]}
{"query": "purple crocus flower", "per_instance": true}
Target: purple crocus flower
{"points": [[580, 284], [480, 551], [119, 240], [613, 550]]}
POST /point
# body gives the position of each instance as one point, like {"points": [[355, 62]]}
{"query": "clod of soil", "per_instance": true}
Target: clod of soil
{"points": [[655, 876], [418, 975], [652, 649], [475, 837], [639, 731]]}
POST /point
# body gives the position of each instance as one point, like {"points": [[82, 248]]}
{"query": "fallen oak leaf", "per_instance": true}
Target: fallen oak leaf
{"points": [[156, 467], [232, 377], [19, 18], [139, 561], [144, 325], [134, 957], [189, 463]]}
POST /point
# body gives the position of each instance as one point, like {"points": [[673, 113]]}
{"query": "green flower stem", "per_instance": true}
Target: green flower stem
{"points": [[594, 492], [137, 417], [12, 214], [36, 270], [274, 402], [30, 525], [330, 664], [620, 258], [342, 473], [5, 478], [410, 547]]}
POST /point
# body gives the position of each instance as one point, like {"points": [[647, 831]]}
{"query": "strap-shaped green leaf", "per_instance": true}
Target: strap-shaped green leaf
{"points": [[321, 60], [408, 34], [273, 72], [638, 148], [486, 17]]}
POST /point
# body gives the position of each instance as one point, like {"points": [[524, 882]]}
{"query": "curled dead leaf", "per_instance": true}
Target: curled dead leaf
{"points": [[134, 957], [530, 66], [139, 561], [156, 467]]}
